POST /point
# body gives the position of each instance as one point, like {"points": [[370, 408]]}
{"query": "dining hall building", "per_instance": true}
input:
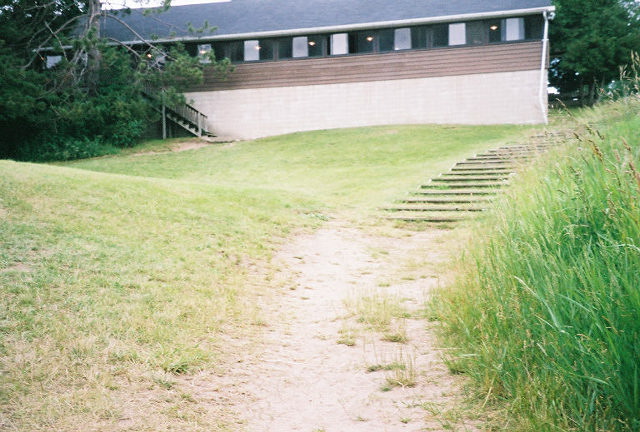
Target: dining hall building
{"points": [[304, 65]]}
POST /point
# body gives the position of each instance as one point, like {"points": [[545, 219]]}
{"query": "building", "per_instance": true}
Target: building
{"points": [[319, 64]]}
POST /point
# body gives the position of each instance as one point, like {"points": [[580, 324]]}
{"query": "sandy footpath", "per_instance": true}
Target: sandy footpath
{"points": [[302, 379]]}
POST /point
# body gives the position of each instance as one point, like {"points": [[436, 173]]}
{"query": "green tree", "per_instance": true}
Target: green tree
{"points": [[94, 98], [590, 41]]}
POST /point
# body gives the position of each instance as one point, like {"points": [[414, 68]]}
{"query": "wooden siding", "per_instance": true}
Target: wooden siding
{"points": [[379, 67]]}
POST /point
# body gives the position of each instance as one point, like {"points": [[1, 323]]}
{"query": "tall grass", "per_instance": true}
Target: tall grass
{"points": [[548, 315]]}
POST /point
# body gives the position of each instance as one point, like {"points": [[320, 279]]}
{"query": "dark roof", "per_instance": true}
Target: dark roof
{"points": [[248, 17]]}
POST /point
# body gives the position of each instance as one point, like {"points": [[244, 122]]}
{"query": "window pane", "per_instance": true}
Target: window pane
{"points": [[203, 53], [495, 30], [385, 40], [316, 45], [440, 35], [251, 50], [457, 34], [300, 46], [285, 48], [235, 51], [366, 41], [514, 29], [476, 33], [533, 27], [339, 44], [265, 48], [402, 39], [53, 60], [218, 48]]}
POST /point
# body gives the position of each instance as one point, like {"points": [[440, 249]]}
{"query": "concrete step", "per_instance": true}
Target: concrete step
{"points": [[455, 199], [429, 217], [459, 185], [486, 162], [479, 171], [508, 151], [455, 192], [453, 177], [498, 158], [436, 208]]}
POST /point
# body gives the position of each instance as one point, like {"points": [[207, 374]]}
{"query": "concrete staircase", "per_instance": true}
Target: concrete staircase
{"points": [[469, 187]]}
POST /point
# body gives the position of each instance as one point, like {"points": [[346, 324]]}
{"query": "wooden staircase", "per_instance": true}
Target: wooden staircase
{"points": [[184, 115], [469, 187]]}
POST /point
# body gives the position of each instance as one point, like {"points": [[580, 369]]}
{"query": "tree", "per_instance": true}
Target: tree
{"points": [[94, 98], [591, 40]]}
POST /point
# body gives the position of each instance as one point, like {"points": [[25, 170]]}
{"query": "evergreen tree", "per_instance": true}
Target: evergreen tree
{"points": [[93, 98], [591, 40]]}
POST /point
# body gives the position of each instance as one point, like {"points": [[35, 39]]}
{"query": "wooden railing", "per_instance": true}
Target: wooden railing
{"points": [[191, 115], [184, 112]]}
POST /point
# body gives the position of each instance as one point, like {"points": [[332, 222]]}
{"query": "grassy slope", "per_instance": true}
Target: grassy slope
{"points": [[548, 311], [353, 167], [113, 285]]}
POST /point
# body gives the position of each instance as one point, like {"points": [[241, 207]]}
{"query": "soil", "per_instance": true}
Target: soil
{"points": [[300, 378]]}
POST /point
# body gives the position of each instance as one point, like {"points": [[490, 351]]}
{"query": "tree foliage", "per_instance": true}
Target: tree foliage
{"points": [[591, 40], [94, 98]]}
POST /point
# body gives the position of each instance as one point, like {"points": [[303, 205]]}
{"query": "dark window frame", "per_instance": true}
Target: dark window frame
{"points": [[423, 37]]}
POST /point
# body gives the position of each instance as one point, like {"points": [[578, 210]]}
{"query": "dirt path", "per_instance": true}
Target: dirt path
{"points": [[303, 379]]}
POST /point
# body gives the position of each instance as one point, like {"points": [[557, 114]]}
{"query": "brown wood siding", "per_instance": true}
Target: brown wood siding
{"points": [[379, 67]]}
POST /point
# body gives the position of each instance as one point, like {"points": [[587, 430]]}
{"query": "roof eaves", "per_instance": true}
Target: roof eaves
{"points": [[351, 27]]}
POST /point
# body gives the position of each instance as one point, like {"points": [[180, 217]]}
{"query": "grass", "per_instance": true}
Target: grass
{"points": [[352, 168], [124, 276], [547, 313], [105, 277]]}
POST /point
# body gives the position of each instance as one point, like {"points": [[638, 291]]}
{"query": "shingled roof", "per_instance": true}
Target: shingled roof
{"points": [[261, 18]]}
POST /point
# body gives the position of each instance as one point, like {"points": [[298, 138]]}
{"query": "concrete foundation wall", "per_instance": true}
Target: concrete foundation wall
{"points": [[491, 98]]}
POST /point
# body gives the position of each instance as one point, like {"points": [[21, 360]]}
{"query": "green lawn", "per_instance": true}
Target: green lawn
{"points": [[122, 276], [359, 168]]}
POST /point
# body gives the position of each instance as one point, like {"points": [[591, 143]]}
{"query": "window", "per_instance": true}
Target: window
{"points": [[204, 51], [533, 27], [300, 46], [457, 34], [364, 42], [513, 29], [385, 40], [402, 39], [219, 50], [285, 48], [495, 31], [251, 50], [235, 51], [317, 44], [438, 36], [53, 60], [266, 48], [476, 33], [339, 44], [419, 37]]}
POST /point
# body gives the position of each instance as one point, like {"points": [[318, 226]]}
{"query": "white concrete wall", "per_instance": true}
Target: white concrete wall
{"points": [[496, 98]]}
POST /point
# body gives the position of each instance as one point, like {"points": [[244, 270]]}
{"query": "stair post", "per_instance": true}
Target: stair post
{"points": [[164, 121], [199, 125]]}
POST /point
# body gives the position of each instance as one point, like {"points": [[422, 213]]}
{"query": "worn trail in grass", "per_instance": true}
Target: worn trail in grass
{"points": [[348, 347]]}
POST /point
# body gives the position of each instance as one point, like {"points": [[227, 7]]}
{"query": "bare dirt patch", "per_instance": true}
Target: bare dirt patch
{"points": [[177, 147], [321, 367]]}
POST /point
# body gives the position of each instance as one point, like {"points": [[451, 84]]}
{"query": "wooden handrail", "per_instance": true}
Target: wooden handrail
{"points": [[184, 111]]}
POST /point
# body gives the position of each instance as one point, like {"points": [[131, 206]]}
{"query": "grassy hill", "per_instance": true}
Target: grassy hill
{"points": [[121, 276], [546, 313]]}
